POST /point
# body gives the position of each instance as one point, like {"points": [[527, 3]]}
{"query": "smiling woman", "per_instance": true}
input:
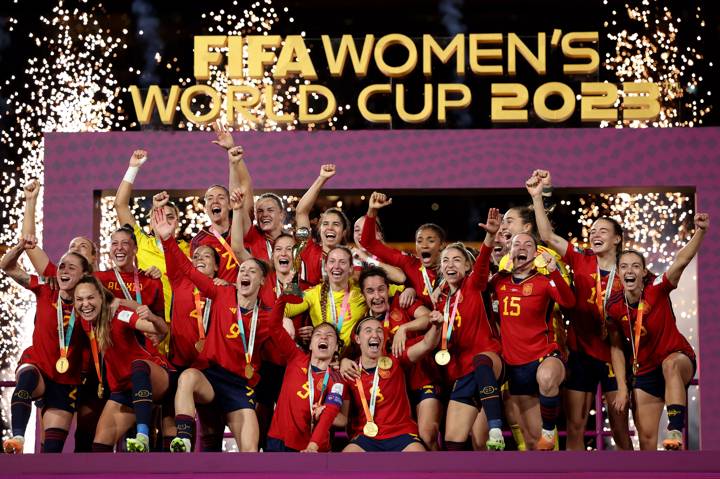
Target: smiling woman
{"points": [[576, 217]]}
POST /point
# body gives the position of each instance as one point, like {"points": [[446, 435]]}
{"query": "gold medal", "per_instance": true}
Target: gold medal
{"points": [[370, 429], [62, 365], [442, 357], [249, 371], [385, 362], [199, 345], [540, 261], [101, 391]]}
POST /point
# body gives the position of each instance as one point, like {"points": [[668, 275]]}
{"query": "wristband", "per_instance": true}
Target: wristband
{"points": [[131, 173], [547, 191], [372, 261]]}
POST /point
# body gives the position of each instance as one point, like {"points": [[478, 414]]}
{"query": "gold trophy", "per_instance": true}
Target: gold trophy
{"points": [[302, 235]]}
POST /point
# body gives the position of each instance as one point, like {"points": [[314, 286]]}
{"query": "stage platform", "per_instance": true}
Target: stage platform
{"points": [[444, 465]]}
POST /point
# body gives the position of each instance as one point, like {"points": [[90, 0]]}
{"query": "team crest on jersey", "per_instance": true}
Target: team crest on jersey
{"points": [[395, 316], [527, 289], [503, 288], [384, 373]]}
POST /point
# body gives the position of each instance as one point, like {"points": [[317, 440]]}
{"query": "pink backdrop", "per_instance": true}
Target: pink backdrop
{"points": [[78, 163]]}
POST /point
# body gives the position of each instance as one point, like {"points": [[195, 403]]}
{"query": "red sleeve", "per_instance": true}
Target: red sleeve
{"points": [[379, 249], [333, 403], [34, 284], [481, 270], [664, 285], [571, 255], [284, 345], [560, 290], [185, 267], [50, 270], [175, 276]]}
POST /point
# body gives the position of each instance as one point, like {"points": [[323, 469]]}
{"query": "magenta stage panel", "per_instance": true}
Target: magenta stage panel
{"points": [[446, 465], [76, 164]]}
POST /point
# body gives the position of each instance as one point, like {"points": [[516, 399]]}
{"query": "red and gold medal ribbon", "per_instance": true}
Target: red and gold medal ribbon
{"points": [[96, 355], [637, 331], [200, 314], [224, 244]]}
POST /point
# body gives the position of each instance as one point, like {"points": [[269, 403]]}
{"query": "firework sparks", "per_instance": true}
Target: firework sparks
{"points": [[72, 89], [651, 50]]}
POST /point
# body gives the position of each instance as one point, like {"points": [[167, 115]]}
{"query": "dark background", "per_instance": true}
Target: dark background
{"points": [[170, 27]]}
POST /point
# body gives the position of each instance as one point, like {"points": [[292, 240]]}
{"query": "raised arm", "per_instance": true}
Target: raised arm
{"points": [[279, 337], [481, 269], [688, 252], [38, 257], [560, 291], [536, 184], [368, 237], [9, 263], [237, 228], [239, 173], [164, 230], [122, 198], [304, 206]]}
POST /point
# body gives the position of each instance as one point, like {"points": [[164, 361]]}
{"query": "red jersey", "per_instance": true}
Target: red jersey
{"points": [[392, 409], [313, 263], [45, 349], [271, 290], [223, 344], [228, 267], [291, 420], [659, 336], [472, 333], [125, 349], [425, 371], [585, 330], [259, 245], [184, 331], [409, 264], [151, 289], [525, 310]]}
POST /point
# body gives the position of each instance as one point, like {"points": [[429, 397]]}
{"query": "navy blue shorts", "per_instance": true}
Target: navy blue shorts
{"points": [[231, 391], [88, 390], [465, 391], [122, 397], [276, 445], [429, 391], [58, 396], [653, 382], [585, 373], [267, 390], [392, 444], [523, 378]]}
